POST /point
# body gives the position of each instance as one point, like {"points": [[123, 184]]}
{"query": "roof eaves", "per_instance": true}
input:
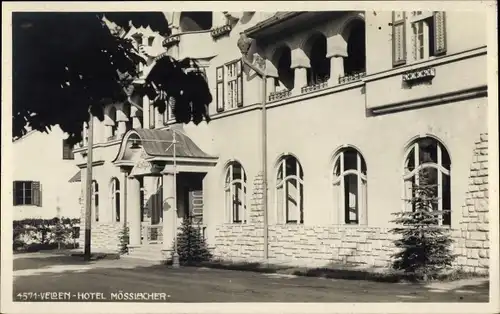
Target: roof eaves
{"points": [[275, 19]]}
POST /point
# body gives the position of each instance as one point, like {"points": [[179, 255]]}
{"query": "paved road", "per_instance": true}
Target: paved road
{"points": [[45, 272]]}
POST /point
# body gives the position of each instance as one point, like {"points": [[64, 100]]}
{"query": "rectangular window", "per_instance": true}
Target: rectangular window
{"points": [[27, 193], [428, 34], [229, 87], [67, 151]]}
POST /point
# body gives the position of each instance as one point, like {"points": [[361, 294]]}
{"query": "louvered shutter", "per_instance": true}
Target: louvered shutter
{"points": [[36, 193], [14, 190], [398, 38], [220, 89], [239, 74], [439, 33]]}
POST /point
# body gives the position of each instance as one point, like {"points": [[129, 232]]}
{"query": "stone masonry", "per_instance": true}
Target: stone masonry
{"points": [[472, 237], [358, 246], [105, 236]]}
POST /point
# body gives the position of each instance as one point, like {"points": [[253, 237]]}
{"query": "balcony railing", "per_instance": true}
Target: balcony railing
{"points": [[352, 77], [314, 87], [274, 96]]}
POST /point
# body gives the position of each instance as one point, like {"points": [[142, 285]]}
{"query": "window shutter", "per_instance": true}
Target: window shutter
{"points": [[439, 33], [220, 89], [239, 74], [37, 195], [14, 193], [398, 38]]}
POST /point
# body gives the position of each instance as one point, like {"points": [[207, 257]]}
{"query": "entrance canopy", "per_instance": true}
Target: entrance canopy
{"points": [[150, 151]]}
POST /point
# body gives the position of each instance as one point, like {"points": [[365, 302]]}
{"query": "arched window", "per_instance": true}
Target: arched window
{"points": [[286, 75], [349, 182], [290, 190], [112, 117], [320, 65], [95, 199], [235, 189], [428, 156], [115, 198], [356, 56]]}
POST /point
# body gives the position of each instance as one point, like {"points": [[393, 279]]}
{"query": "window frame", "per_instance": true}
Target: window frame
{"points": [[441, 170], [224, 85], [434, 36], [338, 185], [35, 188], [230, 192], [115, 192], [95, 200], [282, 184], [67, 151]]}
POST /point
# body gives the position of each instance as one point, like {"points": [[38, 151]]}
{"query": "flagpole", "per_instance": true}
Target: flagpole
{"points": [[88, 189]]}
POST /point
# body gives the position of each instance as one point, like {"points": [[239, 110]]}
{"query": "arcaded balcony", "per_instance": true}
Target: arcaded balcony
{"points": [[331, 54], [194, 30]]}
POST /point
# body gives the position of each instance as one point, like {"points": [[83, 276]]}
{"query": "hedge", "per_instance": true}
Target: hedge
{"points": [[40, 234]]}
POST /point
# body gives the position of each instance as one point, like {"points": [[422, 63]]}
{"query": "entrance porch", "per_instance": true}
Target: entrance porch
{"points": [[163, 188]]}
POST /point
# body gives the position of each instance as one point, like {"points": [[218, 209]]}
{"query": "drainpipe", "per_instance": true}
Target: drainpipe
{"points": [[263, 76]]}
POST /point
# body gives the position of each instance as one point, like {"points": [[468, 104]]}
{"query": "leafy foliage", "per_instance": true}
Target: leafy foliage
{"points": [[67, 63], [45, 233], [191, 245], [424, 245], [124, 240]]}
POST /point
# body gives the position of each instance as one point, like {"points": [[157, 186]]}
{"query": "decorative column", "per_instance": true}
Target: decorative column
{"points": [[136, 119], [169, 210], [122, 125], [159, 118], [134, 210], [300, 64], [108, 128], [336, 51], [272, 74]]}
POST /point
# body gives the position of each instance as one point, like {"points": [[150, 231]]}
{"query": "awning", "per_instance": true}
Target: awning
{"points": [[76, 178]]}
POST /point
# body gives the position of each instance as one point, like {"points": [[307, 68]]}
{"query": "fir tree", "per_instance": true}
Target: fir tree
{"points": [[424, 245], [124, 240], [191, 245]]}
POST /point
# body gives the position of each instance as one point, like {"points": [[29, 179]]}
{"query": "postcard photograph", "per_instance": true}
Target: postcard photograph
{"points": [[177, 154]]}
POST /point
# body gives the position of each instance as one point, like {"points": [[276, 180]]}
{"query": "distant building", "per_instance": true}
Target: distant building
{"points": [[43, 163], [357, 102]]}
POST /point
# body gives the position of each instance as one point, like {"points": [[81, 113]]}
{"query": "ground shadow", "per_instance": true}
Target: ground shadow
{"points": [[202, 284]]}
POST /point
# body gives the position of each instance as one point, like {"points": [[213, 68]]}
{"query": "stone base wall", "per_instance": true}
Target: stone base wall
{"points": [[365, 247], [104, 236]]}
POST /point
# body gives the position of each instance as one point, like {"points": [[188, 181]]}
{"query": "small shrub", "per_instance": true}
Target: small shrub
{"points": [[191, 246]]}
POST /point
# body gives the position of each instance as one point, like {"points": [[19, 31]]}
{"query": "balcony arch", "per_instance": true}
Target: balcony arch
{"points": [[315, 48], [353, 32], [195, 21], [282, 60]]}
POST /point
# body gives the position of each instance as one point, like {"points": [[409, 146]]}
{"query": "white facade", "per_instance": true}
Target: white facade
{"points": [[352, 98], [41, 175]]}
